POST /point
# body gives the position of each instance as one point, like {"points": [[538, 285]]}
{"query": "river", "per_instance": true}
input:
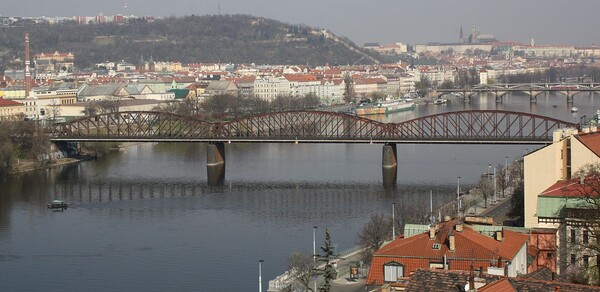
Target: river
{"points": [[145, 218]]}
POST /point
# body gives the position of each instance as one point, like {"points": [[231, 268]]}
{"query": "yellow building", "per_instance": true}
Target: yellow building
{"points": [[558, 161], [10, 109]]}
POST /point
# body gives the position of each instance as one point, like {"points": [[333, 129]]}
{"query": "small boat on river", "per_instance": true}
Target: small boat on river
{"points": [[440, 101], [58, 204], [574, 109]]}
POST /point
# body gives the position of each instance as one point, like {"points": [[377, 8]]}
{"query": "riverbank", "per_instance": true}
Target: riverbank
{"points": [[28, 165]]}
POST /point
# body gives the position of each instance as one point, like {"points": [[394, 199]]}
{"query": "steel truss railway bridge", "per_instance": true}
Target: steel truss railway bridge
{"points": [[569, 90], [461, 127]]}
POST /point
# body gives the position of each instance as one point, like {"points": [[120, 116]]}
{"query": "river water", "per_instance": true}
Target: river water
{"points": [[144, 219]]}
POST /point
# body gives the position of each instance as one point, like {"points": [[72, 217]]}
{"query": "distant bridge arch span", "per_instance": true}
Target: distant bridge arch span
{"points": [[473, 126]]}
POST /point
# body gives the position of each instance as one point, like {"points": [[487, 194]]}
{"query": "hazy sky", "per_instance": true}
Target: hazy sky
{"points": [[384, 21]]}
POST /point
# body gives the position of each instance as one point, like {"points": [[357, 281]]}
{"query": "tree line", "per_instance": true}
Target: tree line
{"points": [[20, 139]]}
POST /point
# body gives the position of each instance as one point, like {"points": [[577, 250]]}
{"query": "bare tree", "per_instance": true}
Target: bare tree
{"points": [[301, 265], [587, 216], [349, 93], [374, 233], [486, 188]]}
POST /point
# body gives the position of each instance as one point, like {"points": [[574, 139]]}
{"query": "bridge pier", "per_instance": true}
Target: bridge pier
{"points": [[533, 98], [215, 163], [389, 164], [499, 98]]}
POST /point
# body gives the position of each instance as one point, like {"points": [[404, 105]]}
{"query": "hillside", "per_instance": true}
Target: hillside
{"points": [[190, 39]]}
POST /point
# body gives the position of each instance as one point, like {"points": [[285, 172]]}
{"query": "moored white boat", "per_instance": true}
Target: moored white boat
{"points": [[386, 107]]}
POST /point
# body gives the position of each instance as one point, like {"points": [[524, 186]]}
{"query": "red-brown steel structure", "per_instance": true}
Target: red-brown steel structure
{"points": [[474, 126]]}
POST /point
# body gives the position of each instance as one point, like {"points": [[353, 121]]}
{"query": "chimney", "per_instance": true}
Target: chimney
{"points": [[431, 231], [459, 227], [27, 65], [499, 235], [451, 242], [471, 278]]}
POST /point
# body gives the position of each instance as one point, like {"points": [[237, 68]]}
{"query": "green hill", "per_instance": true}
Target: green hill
{"points": [[190, 39]]}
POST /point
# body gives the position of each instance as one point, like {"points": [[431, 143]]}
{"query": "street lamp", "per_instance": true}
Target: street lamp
{"points": [[458, 197], [494, 178], [393, 221], [314, 258], [260, 275], [505, 174]]}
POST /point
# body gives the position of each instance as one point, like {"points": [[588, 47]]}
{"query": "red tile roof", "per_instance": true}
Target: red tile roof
{"points": [[502, 285], [9, 103], [569, 188], [300, 77], [417, 251], [247, 79], [369, 81], [591, 141]]}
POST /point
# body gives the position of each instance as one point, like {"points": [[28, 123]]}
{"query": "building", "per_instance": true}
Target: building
{"points": [[450, 245], [551, 195], [566, 207], [558, 161], [446, 281], [10, 109], [221, 87], [54, 62]]}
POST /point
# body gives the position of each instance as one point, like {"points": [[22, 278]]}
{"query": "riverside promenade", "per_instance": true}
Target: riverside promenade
{"points": [[473, 205]]}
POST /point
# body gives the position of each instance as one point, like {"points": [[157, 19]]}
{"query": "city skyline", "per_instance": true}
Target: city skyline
{"points": [[548, 22]]}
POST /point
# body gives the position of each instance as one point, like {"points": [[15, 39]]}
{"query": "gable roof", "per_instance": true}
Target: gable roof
{"points": [[469, 244], [502, 285], [9, 103], [569, 188], [591, 141], [432, 280]]}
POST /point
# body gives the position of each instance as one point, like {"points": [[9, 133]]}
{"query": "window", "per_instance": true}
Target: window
{"points": [[549, 255], [392, 272], [586, 260], [573, 236], [573, 259], [586, 237]]}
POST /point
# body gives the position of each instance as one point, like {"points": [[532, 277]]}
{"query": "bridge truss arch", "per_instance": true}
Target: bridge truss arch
{"points": [[479, 126], [472, 126]]}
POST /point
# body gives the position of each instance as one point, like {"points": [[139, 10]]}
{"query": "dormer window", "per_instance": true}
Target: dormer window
{"points": [[393, 271]]}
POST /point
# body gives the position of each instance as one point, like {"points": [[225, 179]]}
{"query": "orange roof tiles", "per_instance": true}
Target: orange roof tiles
{"points": [[9, 103], [502, 285], [569, 188], [591, 141], [417, 251], [300, 77]]}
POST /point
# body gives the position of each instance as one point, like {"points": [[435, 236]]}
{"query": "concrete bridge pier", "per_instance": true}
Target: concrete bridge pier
{"points": [[390, 164], [532, 98], [499, 98], [215, 163]]}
